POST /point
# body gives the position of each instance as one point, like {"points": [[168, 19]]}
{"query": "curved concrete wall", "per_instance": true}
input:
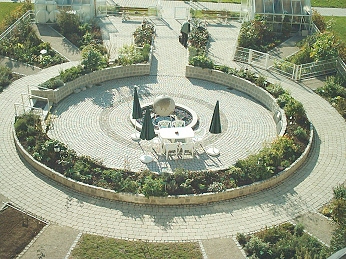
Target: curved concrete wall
{"points": [[169, 200], [214, 76], [244, 86]]}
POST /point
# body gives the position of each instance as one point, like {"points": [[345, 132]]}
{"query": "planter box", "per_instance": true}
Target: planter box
{"points": [[93, 78]]}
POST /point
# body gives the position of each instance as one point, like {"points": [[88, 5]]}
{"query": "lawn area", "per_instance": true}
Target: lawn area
{"points": [[91, 246], [219, 1], [6, 8], [338, 26], [329, 3]]}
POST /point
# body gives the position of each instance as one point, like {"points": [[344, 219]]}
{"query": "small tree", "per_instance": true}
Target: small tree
{"points": [[93, 59]]}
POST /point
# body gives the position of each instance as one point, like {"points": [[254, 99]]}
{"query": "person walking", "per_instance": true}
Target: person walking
{"points": [[185, 30]]}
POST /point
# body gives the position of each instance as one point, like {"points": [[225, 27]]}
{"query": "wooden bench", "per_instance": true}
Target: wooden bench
{"points": [[136, 11], [222, 15]]}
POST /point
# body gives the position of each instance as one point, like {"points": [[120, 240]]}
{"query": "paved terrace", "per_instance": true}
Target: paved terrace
{"points": [[305, 191]]}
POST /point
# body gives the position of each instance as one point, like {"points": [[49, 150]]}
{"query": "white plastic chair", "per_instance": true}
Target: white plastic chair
{"points": [[158, 142], [187, 147], [199, 136], [164, 124], [178, 123], [170, 147]]}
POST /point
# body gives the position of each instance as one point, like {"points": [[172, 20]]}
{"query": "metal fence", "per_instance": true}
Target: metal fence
{"points": [[286, 68], [29, 15], [317, 68]]}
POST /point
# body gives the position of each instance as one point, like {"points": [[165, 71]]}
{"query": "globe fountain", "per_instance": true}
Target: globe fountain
{"points": [[165, 108]]}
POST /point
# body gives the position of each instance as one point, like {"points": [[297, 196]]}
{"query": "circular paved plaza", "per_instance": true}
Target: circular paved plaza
{"points": [[96, 122]]}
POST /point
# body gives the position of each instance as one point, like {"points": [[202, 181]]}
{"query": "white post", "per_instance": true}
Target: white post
{"points": [[267, 60], [294, 71], [250, 56]]}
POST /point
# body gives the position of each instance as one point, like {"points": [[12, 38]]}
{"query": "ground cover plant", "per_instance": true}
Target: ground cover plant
{"points": [[24, 45], [268, 162], [334, 91], [91, 246], [6, 77], [16, 231], [285, 241], [336, 210]]}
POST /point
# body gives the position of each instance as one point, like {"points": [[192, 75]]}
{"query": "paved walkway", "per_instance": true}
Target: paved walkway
{"points": [[305, 191]]}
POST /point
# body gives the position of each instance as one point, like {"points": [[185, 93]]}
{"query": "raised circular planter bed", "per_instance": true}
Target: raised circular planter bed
{"points": [[169, 200], [216, 77]]}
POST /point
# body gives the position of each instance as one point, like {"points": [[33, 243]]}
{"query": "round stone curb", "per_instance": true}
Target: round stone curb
{"points": [[191, 199]]}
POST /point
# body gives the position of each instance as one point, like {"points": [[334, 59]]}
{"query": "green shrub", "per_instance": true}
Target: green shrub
{"points": [[294, 109], [5, 77], [202, 61], [301, 134], [276, 90], [338, 240], [153, 187], [129, 186], [145, 52], [68, 22], [72, 73], [258, 248], [332, 88], [257, 35], [340, 192], [27, 125], [199, 37], [92, 59], [216, 187], [242, 239], [144, 34], [130, 54], [319, 20], [52, 83]]}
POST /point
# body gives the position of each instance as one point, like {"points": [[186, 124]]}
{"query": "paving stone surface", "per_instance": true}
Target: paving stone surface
{"points": [[305, 191]]}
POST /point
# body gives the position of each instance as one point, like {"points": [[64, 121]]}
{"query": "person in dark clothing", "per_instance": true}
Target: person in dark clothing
{"points": [[185, 30]]}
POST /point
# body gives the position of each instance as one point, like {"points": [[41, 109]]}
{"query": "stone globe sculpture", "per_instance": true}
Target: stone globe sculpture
{"points": [[164, 105]]}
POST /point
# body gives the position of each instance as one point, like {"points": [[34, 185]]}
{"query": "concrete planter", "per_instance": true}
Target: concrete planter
{"points": [[169, 200], [194, 72], [96, 77]]}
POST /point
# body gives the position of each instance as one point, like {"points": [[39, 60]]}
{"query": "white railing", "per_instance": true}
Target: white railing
{"points": [[286, 68], [341, 67], [28, 15], [317, 68]]}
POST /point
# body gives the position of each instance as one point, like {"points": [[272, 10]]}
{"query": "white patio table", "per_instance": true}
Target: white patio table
{"points": [[174, 134]]}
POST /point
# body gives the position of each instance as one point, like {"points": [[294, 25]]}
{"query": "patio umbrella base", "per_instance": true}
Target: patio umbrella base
{"points": [[135, 136], [146, 159], [213, 151]]}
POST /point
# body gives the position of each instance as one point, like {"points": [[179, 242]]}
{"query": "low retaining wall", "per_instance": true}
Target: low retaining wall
{"points": [[192, 72], [170, 200], [244, 86], [96, 77]]}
